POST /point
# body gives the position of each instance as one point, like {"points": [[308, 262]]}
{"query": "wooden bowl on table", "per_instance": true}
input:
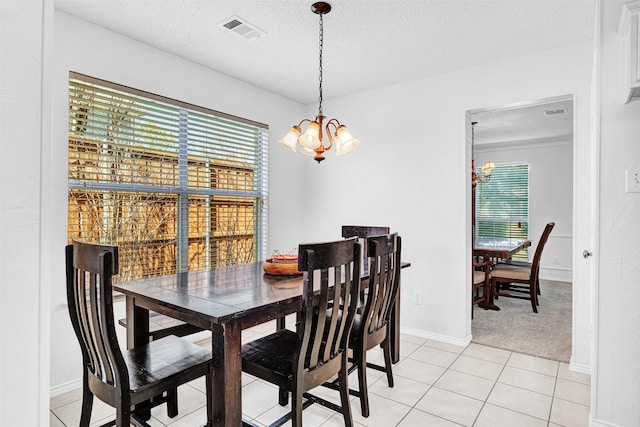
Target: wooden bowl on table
{"points": [[282, 265]]}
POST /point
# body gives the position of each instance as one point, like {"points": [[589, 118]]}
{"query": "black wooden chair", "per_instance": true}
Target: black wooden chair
{"points": [[299, 361], [520, 280], [362, 232], [143, 377], [372, 327]]}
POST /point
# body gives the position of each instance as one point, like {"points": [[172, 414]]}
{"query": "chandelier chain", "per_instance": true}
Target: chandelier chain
{"points": [[320, 62]]}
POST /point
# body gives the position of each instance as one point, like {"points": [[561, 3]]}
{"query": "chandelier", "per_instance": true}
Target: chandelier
{"points": [[311, 140], [486, 169]]}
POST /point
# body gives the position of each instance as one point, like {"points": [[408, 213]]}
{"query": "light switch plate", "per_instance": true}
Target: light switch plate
{"points": [[633, 180]]}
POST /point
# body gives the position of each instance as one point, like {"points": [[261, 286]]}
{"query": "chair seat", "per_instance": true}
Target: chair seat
{"points": [[506, 271], [162, 359], [271, 356], [478, 277]]}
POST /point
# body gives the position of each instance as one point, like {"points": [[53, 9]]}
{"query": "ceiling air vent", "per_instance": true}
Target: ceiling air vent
{"points": [[242, 28], [555, 112]]}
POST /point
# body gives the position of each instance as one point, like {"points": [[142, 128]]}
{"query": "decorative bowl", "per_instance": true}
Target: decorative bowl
{"points": [[280, 268]]}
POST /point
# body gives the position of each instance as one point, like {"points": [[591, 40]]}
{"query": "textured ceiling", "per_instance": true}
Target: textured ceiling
{"points": [[368, 43], [536, 121]]}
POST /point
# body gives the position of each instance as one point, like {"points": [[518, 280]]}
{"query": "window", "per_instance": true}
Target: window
{"points": [[502, 204], [177, 187]]}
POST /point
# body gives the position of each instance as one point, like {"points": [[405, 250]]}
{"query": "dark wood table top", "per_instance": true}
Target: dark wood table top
{"points": [[216, 295], [499, 247]]}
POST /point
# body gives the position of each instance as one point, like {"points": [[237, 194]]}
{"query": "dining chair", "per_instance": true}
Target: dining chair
{"points": [[362, 232], [520, 280], [142, 377], [526, 264], [317, 351], [372, 327], [480, 283]]}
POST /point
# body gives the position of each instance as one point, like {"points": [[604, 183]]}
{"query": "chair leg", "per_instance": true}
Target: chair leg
{"points": [[172, 402], [343, 376], [87, 402], [123, 413], [296, 407], [361, 360], [386, 350], [534, 297], [283, 397]]}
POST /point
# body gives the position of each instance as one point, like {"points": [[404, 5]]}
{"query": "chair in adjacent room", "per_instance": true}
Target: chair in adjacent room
{"points": [[480, 284], [372, 327], [317, 351], [141, 377], [520, 280], [527, 264]]}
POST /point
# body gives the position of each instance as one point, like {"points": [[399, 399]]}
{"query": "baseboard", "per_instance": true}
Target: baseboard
{"points": [[442, 338], [578, 367], [599, 423], [556, 274], [66, 387]]}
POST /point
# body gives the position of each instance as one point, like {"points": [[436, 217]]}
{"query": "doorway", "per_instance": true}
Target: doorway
{"points": [[540, 135]]}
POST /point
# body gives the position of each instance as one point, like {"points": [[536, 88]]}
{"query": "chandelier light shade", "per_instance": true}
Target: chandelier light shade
{"points": [[311, 139], [486, 169]]}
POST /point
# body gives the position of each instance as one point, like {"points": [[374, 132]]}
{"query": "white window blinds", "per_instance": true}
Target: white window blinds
{"points": [[177, 187], [502, 204]]}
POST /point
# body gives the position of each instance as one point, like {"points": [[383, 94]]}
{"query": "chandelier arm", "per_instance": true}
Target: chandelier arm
{"points": [[303, 121], [329, 133]]}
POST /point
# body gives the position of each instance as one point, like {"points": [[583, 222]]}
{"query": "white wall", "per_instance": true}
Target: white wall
{"points": [[24, 124], [550, 197], [88, 49], [616, 377], [414, 160]]}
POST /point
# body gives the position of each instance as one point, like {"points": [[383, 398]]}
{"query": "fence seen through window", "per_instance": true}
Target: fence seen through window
{"points": [[174, 186]]}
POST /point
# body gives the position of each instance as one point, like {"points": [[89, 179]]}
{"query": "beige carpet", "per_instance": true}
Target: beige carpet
{"points": [[517, 328]]}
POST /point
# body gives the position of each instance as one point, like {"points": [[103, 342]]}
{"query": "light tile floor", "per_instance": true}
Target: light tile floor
{"points": [[436, 384]]}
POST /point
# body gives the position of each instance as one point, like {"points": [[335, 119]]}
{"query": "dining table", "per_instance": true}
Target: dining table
{"points": [[224, 301], [496, 249]]}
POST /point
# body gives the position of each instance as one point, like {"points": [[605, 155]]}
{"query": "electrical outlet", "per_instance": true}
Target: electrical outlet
{"points": [[633, 180], [417, 298], [556, 260]]}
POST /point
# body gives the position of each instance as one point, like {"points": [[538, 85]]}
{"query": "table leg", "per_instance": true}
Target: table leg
{"points": [[137, 334], [227, 374], [395, 330], [490, 304], [137, 323]]}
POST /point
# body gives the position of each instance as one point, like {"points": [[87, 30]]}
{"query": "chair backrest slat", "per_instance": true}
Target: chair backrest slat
{"points": [[331, 273], [384, 278]]}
